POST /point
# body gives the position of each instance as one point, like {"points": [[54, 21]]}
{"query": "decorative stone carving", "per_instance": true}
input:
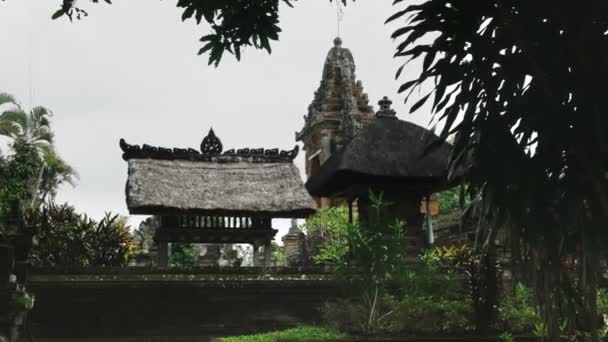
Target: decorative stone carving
{"points": [[386, 112], [211, 148], [325, 145], [295, 245], [339, 109], [339, 96], [211, 256], [211, 145]]}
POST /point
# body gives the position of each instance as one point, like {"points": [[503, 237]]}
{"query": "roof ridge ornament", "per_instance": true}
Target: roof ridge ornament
{"points": [[211, 151], [211, 145], [385, 111]]}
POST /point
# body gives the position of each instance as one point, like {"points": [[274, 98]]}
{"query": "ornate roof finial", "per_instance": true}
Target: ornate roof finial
{"points": [[338, 42], [386, 112], [211, 145]]}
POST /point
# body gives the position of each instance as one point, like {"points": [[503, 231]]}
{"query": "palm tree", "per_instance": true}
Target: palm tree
{"points": [[32, 130]]}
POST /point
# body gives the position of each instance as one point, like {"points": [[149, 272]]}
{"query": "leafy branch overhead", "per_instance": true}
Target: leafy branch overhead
{"points": [[516, 84], [235, 24]]}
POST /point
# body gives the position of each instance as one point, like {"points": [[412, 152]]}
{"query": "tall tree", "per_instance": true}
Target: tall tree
{"points": [[518, 84], [31, 137]]}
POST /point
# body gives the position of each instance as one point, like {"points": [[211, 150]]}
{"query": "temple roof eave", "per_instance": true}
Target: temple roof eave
{"points": [[300, 135]]}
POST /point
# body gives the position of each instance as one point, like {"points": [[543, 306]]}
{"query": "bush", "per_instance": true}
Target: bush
{"points": [[329, 227], [518, 314], [413, 315], [425, 299], [434, 315], [66, 238], [182, 256]]}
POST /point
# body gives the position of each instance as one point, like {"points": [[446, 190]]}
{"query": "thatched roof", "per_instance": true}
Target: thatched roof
{"points": [[386, 152], [219, 184]]}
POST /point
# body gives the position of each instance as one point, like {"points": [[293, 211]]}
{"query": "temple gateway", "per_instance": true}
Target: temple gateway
{"points": [[214, 196]]}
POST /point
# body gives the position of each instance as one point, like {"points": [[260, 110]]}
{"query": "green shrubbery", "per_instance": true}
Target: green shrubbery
{"points": [[67, 238], [182, 256], [385, 295], [519, 314]]}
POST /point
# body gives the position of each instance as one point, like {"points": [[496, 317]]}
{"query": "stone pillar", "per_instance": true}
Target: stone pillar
{"points": [[212, 256], [268, 254], [163, 254], [294, 243], [429, 223], [255, 255]]}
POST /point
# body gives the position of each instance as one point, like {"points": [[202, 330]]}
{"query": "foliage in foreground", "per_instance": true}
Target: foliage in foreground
{"points": [[31, 169], [234, 25], [67, 238], [329, 228], [515, 83], [299, 334]]}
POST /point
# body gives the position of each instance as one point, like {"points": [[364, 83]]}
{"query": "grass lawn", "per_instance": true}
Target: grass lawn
{"points": [[300, 334], [124, 339]]}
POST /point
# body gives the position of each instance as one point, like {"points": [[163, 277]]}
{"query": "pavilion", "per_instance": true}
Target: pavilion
{"points": [[388, 155], [213, 196]]}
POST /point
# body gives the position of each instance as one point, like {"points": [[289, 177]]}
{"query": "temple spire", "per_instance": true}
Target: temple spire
{"points": [[339, 109], [339, 16]]}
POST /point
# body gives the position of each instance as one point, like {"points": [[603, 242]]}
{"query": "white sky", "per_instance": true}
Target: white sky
{"points": [[130, 70]]}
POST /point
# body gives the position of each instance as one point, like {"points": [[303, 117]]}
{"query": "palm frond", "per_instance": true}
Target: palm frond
{"points": [[59, 167], [9, 129], [7, 98], [15, 116], [41, 134], [40, 116]]}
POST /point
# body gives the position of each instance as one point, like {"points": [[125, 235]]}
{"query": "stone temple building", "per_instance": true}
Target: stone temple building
{"points": [[339, 109]]}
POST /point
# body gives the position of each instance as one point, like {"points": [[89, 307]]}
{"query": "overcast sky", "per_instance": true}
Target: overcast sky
{"points": [[130, 70]]}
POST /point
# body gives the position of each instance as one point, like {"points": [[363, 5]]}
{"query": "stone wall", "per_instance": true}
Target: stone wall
{"points": [[148, 303]]}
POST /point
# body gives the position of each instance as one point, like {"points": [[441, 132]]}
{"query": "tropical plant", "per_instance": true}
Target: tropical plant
{"points": [[69, 239], [519, 313], [278, 254], [515, 82], [449, 200], [329, 228], [374, 257], [36, 169], [182, 256]]}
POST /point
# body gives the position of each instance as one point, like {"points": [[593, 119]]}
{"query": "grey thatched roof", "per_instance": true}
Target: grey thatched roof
{"points": [[386, 152], [241, 188], [243, 182]]}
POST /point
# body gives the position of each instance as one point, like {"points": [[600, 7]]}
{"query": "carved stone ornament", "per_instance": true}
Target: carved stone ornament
{"points": [[386, 112], [211, 149], [211, 145]]}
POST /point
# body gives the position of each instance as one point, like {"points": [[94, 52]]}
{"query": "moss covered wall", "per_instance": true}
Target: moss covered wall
{"points": [[123, 302]]}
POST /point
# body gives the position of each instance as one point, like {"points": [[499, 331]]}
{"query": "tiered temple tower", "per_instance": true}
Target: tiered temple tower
{"points": [[339, 109]]}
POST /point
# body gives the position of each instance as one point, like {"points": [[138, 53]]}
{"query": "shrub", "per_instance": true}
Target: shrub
{"points": [[518, 314], [67, 238], [329, 227], [182, 256], [434, 315]]}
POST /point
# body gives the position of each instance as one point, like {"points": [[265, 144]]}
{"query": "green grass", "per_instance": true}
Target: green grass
{"points": [[123, 339], [300, 334]]}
